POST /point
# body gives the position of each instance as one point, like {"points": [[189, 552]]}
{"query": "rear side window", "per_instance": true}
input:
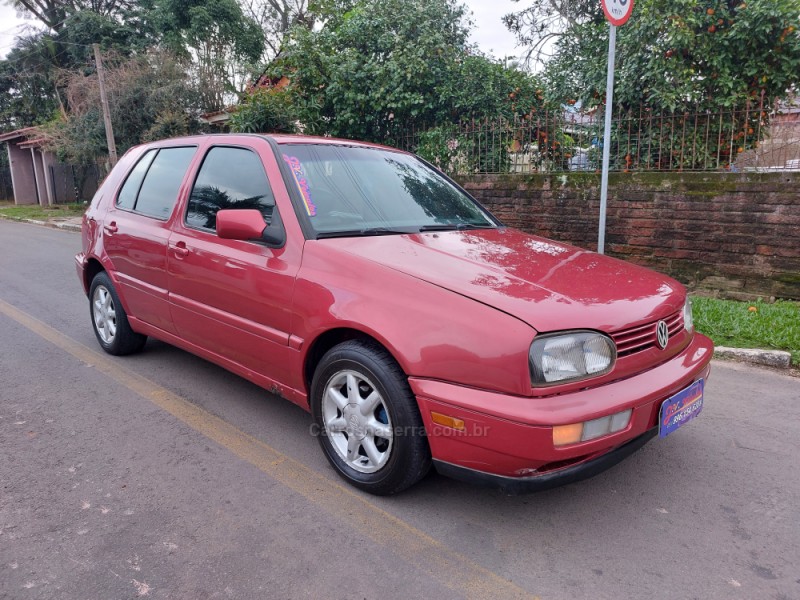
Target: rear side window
{"points": [[229, 178], [127, 195], [159, 191]]}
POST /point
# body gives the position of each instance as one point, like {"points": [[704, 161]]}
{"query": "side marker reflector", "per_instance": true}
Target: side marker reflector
{"points": [[447, 421]]}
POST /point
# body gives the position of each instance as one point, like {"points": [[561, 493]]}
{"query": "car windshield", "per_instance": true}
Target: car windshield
{"points": [[350, 191]]}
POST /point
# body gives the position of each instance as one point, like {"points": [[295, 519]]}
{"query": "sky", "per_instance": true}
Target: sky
{"points": [[489, 32]]}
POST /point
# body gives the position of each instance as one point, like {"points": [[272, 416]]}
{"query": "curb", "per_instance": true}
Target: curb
{"points": [[57, 225], [66, 226], [776, 359]]}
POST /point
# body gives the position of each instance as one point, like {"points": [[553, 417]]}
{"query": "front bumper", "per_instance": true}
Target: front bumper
{"points": [[546, 481], [507, 441]]}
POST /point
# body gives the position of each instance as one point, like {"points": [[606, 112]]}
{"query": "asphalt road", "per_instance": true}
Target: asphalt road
{"points": [[163, 476]]}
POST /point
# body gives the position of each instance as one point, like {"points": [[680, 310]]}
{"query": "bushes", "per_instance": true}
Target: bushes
{"points": [[266, 110]]}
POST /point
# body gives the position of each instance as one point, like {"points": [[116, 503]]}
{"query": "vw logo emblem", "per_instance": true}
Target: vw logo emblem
{"points": [[662, 334]]}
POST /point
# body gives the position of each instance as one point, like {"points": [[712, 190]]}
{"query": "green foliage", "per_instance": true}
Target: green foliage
{"points": [[199, 24], [219, 38], [378, 69], [466, 149], [170, 122], [31, 87], [722, 60], [379, 66], [445, 147], [123, 34], [150, 97], [54, 13], [483, 87], [682, 55], [734, 324], [79, 139], [265, 110], [28, 83]]}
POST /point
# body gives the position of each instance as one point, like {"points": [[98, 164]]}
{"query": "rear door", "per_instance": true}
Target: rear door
{"points": [[232, 297], [136, 231]]}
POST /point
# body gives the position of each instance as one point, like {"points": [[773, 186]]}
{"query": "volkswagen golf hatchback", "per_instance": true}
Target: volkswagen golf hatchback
{"points": [[365, 286]]}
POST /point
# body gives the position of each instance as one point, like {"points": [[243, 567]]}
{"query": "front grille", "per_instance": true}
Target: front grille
{"points": [[642, 337]]}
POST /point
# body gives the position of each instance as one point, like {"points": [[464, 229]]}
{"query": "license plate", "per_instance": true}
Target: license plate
{"points": [[680, 409]]}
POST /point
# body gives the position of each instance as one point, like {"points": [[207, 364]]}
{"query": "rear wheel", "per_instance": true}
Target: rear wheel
{"points": [[367, 419], [109, 320]]}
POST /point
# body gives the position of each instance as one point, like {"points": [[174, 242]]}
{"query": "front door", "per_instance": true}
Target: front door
{"points": [[232, 297]]}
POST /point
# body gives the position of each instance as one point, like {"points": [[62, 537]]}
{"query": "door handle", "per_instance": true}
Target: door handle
{"points": [[111, 228], [180, 250]]}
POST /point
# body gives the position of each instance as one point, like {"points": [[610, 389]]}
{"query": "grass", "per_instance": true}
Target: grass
{"points": [[750, 324], [41, 213]]}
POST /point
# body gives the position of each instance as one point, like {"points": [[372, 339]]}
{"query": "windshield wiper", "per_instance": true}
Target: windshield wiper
{"points": [[368, 231], [453, 227]]}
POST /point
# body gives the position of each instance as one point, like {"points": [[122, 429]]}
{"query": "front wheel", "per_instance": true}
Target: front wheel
{"points": [[367, 419], [109, 320]]}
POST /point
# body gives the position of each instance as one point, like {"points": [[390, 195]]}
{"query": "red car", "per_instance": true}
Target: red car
{"points": [[365, 286]]}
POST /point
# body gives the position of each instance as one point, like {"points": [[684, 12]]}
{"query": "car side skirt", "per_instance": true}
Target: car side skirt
{"points": [[296, 396]]}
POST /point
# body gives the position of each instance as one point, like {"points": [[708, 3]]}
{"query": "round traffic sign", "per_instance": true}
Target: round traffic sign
{"points": [[617, 11]]}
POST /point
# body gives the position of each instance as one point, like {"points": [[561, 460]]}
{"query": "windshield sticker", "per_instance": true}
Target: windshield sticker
{"points": [[302, 183]]}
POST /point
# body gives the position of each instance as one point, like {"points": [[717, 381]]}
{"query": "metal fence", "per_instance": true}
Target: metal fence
{"points": [[751, 138]]}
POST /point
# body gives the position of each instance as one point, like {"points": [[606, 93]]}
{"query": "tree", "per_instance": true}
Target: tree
{"points": [[276, 18], [53, 13], [219, 38], [30, 74], [673, 55], [28, 92], [150, 96], [378, 64], [543, 22], [377, 69]]}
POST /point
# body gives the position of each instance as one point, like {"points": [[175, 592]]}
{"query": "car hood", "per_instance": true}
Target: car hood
{"points": [[548, 285]]}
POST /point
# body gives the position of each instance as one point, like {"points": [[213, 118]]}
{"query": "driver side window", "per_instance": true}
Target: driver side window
{"points": [[230, 178]]}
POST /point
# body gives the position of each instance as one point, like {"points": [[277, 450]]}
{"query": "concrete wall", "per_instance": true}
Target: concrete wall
{"points": [[737, 235]]}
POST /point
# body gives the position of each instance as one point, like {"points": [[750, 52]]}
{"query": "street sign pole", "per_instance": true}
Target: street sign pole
{"points": [[612, 51], [617, 13]]}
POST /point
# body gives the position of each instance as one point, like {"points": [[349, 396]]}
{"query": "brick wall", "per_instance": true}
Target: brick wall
{"points": [[737, 235]]}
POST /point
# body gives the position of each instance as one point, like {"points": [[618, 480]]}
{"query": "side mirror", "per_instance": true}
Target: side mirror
{"points": [[248, 224]]}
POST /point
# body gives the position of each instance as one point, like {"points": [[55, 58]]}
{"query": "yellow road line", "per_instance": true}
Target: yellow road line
{"points": [[430, 556]]}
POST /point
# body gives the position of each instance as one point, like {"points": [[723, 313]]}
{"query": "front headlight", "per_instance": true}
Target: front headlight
{"points": [[688, 318], [570, 356]]}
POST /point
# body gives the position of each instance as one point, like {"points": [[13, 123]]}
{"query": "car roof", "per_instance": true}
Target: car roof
{"points": [[280, 138]]}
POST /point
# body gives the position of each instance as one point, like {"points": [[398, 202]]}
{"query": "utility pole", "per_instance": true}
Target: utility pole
{"points": [[101, 78]]}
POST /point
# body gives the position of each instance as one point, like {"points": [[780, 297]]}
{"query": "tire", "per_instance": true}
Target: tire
{"points": [[109, 321], [384, 451]]}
